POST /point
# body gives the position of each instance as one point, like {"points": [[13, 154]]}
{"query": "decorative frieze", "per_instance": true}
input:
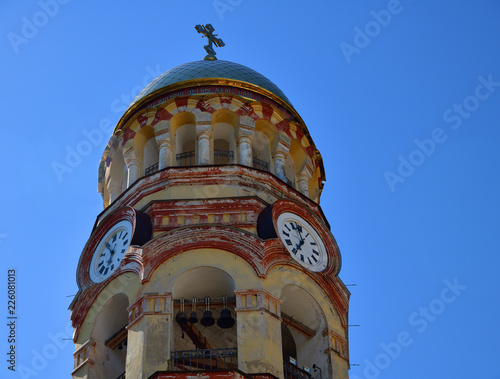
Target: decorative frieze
{"points": [[169, 215]]}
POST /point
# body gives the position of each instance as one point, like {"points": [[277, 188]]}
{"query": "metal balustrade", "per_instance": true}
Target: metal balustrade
{"points": [[204, 359], [185, 159], [223, 156], [290, 371], [151, 169], [260, 164]]}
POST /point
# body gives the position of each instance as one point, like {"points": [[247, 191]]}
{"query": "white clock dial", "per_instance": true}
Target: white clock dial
{"points": [[110, 251], [302, 241]]}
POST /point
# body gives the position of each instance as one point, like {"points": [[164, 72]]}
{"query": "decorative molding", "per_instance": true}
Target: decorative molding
{"points": [[257, 300], [149, 304], [241, 213], [337, 344], [82, 355]]}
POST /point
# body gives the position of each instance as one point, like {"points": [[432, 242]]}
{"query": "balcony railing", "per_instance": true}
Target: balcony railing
{"points": [[151, 169], [260, 164], [223, 156], [204, 359], [290, 371], [185, 159]]}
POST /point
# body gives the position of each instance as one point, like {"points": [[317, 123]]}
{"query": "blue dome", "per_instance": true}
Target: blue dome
{"points": [[210, 69]]}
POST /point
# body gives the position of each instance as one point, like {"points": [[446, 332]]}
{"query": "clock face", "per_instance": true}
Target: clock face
{"points": [[302, 241], [110, 251]]}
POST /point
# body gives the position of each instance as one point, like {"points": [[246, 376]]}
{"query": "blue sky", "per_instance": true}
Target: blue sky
{"points": [[401, 97]]}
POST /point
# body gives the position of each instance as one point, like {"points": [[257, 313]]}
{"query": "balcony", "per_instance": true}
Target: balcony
{"points": [[204, 359]]}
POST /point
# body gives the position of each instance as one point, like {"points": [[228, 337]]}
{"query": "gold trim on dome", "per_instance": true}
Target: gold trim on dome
{"points": [[213, 81]]}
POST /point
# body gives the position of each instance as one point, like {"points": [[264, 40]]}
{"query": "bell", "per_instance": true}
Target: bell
{"points": [[193, 319], [181, 318], [207, 319], [225, 320]]}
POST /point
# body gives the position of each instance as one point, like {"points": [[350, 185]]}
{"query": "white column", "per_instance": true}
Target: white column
{"points": [[203, 147], [245, 151], [133, 166], [279, 164], [303, 182], [164, 150]]}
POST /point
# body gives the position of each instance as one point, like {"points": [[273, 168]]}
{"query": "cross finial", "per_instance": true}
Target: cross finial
{"points": [[207, 31]]}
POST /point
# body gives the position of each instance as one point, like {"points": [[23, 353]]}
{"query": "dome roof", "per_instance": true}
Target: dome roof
{"points": [[210, 69]]}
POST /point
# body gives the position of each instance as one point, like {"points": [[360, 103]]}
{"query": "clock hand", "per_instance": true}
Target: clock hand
{"points": [[112, 252]]}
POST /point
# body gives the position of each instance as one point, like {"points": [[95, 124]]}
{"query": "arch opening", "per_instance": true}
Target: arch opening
{"points": [[110, 337], [261, 151], [302, 326], [201, 283]]}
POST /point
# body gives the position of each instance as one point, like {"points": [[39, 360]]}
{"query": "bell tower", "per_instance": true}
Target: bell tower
{"points": [[212, 255]]}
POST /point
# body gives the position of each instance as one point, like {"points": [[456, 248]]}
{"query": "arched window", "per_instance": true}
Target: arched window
{"points": [[261, 151], [117, 180], [150, 157], [225, 126], [110, 337], [183, 128], [185, 145]]}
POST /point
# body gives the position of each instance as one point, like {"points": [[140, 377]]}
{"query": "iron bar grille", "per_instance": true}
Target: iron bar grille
{"points": [[291, 371], [151, 169], [261, 165], [204, 359], [223, 156], [122, 376], [185, 159]]}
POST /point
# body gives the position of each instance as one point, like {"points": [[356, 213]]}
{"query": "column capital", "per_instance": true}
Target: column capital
{"points": [[163, 140], [244, 138], [203, 134], [130, 158], [280, 154]]}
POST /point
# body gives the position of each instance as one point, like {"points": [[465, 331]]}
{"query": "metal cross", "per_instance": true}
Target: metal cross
{"points": [[207, 31]]}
